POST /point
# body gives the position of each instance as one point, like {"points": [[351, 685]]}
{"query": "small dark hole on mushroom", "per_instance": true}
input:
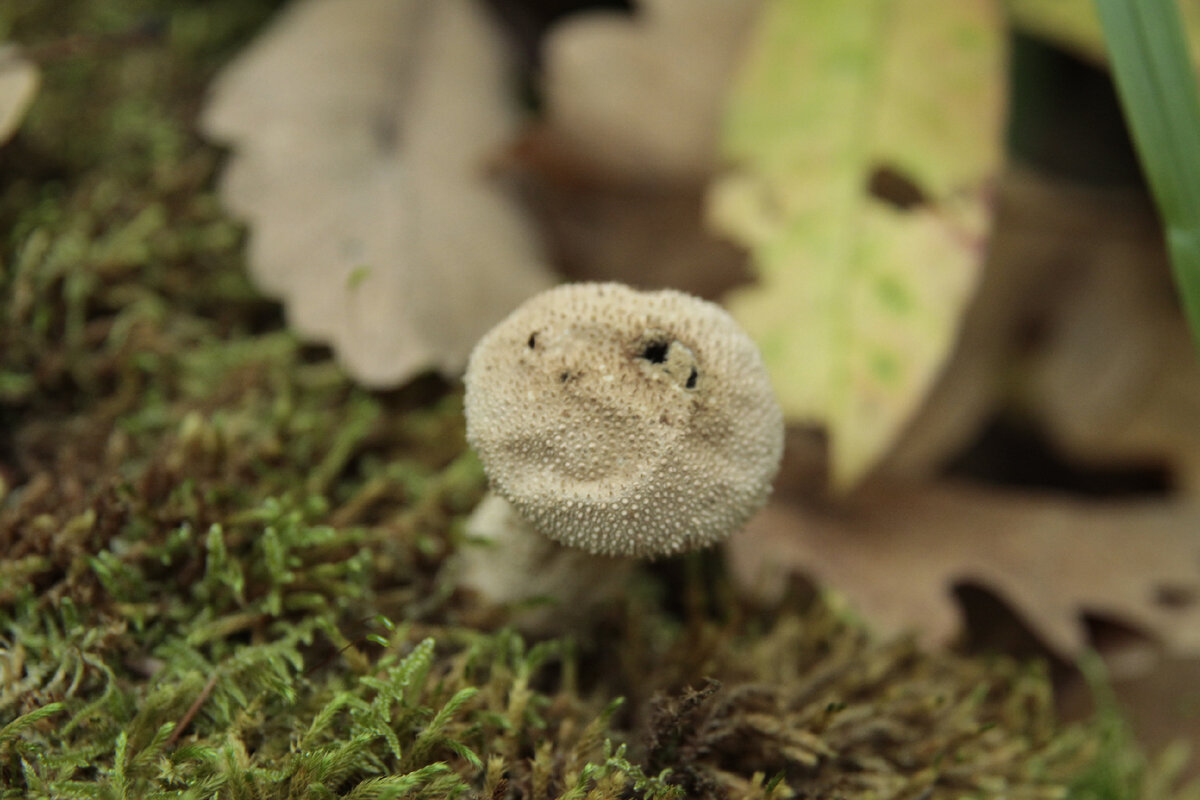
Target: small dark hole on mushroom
{"points": [[692, 376], [532, 340], [564, 376], [656, 352]]}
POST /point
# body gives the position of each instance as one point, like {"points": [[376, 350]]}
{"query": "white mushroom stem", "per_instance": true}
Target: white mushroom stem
{"points": [[546, 586], [617, 423]]}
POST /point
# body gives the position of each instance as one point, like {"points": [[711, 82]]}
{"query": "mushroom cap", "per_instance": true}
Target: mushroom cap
{"points": [[624, 422]]}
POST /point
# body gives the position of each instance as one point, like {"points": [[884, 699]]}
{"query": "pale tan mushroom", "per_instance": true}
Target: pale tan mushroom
{"points": [[622, 422]]}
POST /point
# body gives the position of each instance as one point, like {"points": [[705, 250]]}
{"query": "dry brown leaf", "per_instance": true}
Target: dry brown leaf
{"points": [[1116, 380], [896, 553], [643, 235], [18, 86], [640, 96], [1076, 326], [620, 161], [362, 132]]}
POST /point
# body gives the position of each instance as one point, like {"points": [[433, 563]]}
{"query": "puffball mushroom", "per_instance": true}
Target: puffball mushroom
{"points": [[624, 422]]}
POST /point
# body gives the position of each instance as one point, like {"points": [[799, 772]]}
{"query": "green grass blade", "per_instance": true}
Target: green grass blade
{"points": [[1157, 87]]}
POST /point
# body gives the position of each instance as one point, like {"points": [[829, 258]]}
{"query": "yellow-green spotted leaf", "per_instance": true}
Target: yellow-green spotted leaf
{"points": [[861, 138]]}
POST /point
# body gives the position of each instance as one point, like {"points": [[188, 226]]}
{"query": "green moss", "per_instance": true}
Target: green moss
{"points": [[223, 563]]}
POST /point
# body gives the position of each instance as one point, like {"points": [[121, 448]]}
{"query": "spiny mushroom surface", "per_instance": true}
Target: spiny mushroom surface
{"points": [[624, 422]]}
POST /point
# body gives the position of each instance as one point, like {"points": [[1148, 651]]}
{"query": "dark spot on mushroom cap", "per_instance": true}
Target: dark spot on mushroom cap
{"points": [[656, 352]]}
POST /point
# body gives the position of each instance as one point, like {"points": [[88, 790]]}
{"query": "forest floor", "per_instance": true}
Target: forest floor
{"points": [[224, 567]]}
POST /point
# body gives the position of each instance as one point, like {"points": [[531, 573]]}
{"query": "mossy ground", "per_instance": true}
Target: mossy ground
{"points": [[221, 562]]}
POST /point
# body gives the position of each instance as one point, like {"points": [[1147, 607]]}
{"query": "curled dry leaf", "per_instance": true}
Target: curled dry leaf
{"points": [[640, 96], [18, 86], [862, 139], [647, 236], [1076, 329], [1115, 380], [628, 142], [362, 132], [898, 552]]}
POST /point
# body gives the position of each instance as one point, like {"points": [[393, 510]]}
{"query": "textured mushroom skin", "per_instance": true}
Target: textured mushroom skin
{"points": [[624, 422]]}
